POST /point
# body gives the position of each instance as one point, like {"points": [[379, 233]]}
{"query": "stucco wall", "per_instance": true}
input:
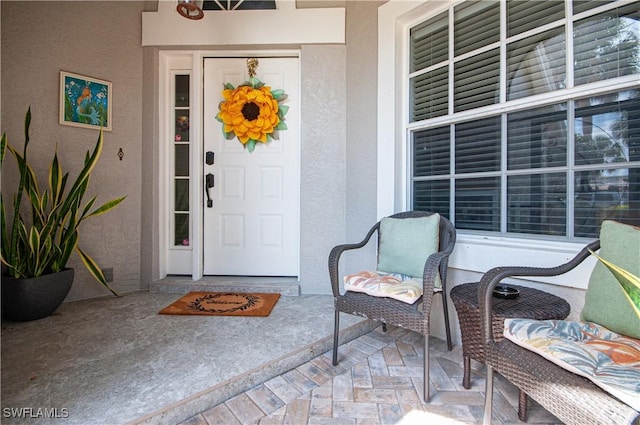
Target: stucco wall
{"points": [[362, 128], [150, 198], [101, 40], [322, 162], [338, 169], [338, 157]]}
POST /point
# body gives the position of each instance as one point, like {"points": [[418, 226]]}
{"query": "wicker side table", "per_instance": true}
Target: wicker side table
{"points": [[530, 304]]}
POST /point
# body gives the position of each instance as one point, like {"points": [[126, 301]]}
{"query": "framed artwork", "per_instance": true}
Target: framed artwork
{"points": [[85, 101]]}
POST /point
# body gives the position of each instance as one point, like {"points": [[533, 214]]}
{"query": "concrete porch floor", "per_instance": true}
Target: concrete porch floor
{"points": [[117, 361]]}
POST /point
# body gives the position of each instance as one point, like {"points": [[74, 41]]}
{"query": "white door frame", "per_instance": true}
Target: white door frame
{"points": [[196, 195]]}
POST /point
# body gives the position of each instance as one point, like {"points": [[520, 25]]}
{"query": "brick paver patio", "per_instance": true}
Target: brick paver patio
{"points": [[378, 381]]}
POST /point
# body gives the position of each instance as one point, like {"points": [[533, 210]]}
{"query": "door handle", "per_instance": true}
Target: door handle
{"points": [[209, 182]]}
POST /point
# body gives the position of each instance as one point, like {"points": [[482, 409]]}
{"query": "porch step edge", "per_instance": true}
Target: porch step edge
{"points": [[220, 393], [183, 285]]}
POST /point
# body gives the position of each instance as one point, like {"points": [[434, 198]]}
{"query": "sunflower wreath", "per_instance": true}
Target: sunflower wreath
{"points": [[252, 112]]}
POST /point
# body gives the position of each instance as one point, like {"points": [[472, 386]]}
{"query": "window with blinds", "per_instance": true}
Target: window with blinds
{"points": [[515, 146], [429, 43]]}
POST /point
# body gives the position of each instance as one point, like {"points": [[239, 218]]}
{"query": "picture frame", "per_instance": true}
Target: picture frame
{"points": [[85, 101]]}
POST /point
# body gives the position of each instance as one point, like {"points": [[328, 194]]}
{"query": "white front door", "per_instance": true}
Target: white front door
{"points": [[251, 225]]}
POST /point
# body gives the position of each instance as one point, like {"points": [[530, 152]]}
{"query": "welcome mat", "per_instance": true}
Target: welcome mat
{"points": [[223, 304]]}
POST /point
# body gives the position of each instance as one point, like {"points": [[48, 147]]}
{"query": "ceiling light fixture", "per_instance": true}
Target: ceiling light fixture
{"points": [[190, 9]]}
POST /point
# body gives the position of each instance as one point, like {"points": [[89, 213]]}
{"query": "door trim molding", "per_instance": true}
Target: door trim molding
{"points": [[287, 25], [195, 60]]}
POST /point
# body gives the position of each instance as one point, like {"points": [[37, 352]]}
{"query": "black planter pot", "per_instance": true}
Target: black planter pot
{"points": [[34, 298]]}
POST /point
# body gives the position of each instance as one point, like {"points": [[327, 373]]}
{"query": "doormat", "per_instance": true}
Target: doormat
{"points": [[223, 304]]}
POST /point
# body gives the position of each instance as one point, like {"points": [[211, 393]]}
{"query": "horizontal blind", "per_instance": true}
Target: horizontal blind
{"points": [[429, 95], [477, 146], [537, 64], [528, 15], [537, 138], [476, 24], [536, 204], [607, 129], [429, 42], [607, 132], [478, 204], [432, 195], [477, 81], [584, 5], [605, 195], [607, 45], [431, 152]]}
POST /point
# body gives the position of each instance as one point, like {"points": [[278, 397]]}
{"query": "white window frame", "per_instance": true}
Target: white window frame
{"points": [[476, 253]]}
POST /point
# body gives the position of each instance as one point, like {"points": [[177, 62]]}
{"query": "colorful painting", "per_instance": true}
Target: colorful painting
{"points": [[85, 101]]}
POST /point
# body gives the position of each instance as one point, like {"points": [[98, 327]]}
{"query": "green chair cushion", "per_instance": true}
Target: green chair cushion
{"points": [[605, 301], [405, 244]]}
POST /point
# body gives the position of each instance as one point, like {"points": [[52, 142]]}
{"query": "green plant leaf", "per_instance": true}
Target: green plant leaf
{"points": [[36, 203], [27, 124], [3, 148], [67, 247], [4, 239], [283, 109], [95, 270], [45, 202], [78, 188], [251, 145], [34, 248], [44, 256], [45, 243], [56, 256], [87, 207], [55, 178], [629, 282], [14, 258], [107, 206]]}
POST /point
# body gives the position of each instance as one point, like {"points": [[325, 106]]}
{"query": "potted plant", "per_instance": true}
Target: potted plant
{"points": [[35, 251]]}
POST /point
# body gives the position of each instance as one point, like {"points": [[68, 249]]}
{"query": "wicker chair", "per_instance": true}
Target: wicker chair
{"points": [[387, 310], [570, 397]]}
